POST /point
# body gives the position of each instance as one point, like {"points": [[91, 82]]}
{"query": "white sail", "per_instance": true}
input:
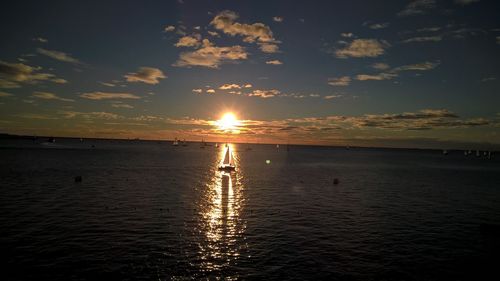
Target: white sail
{"points": [[227, 157]]}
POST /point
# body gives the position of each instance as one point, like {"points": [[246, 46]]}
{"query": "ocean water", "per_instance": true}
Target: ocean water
{"points": [[151, 211]]}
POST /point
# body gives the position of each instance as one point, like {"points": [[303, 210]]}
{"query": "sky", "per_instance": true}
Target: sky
{"points": [[416, 73]]}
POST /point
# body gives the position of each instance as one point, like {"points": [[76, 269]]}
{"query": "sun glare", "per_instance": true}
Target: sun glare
{"points": [[228, 122]]}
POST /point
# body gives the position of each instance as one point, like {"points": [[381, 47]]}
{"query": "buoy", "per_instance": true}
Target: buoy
{"points": [[335, 181], [78, 179]]}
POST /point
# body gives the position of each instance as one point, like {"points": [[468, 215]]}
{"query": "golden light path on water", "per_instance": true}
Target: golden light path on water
{"points": [[222, 225]]}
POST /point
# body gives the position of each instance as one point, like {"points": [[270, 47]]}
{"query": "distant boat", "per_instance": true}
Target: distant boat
{"points": [[277, 146], [478, 153], [52, 140], [228, 161], [176, 142], [216, 145], [445, 152], [184, 143]]}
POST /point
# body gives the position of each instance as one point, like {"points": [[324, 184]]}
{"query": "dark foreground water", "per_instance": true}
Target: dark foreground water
{"points": [[151, 211]]}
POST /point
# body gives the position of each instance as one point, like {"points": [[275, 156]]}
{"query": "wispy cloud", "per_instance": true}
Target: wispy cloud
{"points": [[40, 39], [376, 77], [436, 38], [169, 28], [189, 41], [49, 96], [378, 25], [211, 56], [380, 66], [465, 2], [229, 87], [339, 81], [90, 115], [256, 32], [5, 94], [274, 62], [417, 7], [329, 97], [121, 105], [417, 66], [108, 96], [14, 74], [264, 93], [60, 56], [278, 19], [148, 75], [360, 48]]}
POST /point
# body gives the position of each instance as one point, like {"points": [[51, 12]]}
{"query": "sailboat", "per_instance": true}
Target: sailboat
{"points": [[228, 162], [176, 142]]}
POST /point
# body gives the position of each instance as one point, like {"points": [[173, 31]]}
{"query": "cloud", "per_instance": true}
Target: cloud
{"points": [[13, 74], [380, 66], [339, 81], [360, 48], [49, 96], [379, 25], [213, 33], [422, 120], [121, 105], [169, 28], [417, 7], [436, 38], [377, 77], [247, 86], [107, 84], [465, 2], [269, 48], [198, 91], [188, 41], [278, 19], [148, 75], [488, 79], [418, 66], [229, 87], [40, 39], [90, 115], [347, 35], [4, 94], [429, 29], [257, 32], [264, 93], [211, 56], [107, 96], [225, 21], [426, 119], [274, 62], [210, 91], [60, 56], [332, 97]]}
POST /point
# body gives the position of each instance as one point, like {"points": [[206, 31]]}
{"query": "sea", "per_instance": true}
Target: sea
{"points": [[147, 210]]}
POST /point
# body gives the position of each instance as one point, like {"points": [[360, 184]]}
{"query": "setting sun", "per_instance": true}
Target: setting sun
{"points": [[228, 122]]}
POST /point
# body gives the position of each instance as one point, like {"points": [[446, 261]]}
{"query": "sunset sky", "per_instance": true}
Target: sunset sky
{"points": [[421, 73]]}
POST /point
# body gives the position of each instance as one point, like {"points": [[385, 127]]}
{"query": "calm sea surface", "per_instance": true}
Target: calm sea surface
{"points": [[152, 211]]}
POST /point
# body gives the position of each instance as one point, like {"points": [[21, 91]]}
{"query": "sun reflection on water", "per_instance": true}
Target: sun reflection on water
{"points": [[222, 225]]}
